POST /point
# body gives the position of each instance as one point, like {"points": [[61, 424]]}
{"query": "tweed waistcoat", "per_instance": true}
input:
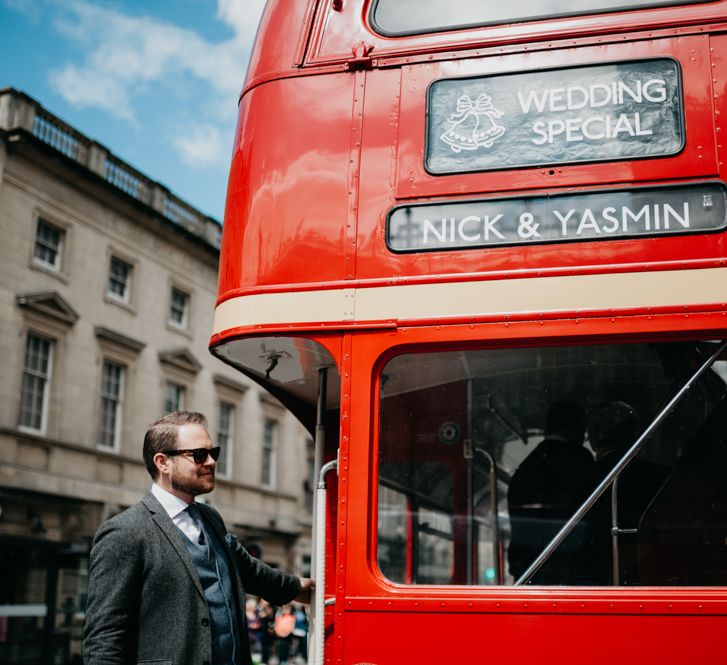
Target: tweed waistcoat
{"points": [[216, 577]]}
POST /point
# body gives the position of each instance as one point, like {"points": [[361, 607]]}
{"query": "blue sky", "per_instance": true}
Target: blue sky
{"points": [[155, 81]]}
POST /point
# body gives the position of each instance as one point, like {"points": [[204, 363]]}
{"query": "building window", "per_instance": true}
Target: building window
{"points": [[173, 397], [225, 431], [112, 389], [178, 308], [270, 432], [36, 382], [48, 245], [119, 285]]}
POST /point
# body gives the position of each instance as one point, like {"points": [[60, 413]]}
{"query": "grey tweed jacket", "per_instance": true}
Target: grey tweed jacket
{"points": [[145, 601]]}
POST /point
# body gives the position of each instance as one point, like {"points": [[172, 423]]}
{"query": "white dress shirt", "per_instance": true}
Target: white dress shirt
{"points": [[177, 510]]}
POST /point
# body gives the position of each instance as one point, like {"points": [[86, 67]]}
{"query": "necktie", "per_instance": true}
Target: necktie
{"points": [[196, 516]]}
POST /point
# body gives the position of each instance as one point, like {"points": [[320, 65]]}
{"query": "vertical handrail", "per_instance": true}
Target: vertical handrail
{"points": [[614, 473], [317, 646], [319, 441], [318, 448], [494, 510], [615, 553]]}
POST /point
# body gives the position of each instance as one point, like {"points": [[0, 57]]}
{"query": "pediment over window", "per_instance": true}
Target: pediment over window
{"points": [[181, 359], [48, 304], [117, 338], [226, 382]]}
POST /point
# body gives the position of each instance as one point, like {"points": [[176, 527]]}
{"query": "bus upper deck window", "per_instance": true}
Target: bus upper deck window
{"points": [[484, 455], [404, 17]]}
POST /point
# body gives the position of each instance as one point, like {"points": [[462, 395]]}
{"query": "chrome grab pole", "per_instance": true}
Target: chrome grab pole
{"points": [[613, 473], [493, 509], [615, 554], [319, 447], [317, 645]]}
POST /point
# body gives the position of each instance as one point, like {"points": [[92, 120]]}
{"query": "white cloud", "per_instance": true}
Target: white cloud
{"points": [[92, 88], [126, 57], [132, 52], [202, 145], [29, 8], [241, 15]]}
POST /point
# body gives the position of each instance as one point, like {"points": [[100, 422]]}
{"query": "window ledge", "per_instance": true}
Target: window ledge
{"points": [[175, 327], [48, 270], [113, 300]]}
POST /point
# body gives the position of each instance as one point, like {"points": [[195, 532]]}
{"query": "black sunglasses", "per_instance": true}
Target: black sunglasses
{"points": [[199, 455]]}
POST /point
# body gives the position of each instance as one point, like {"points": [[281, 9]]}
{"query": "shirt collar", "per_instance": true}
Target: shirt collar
{"points": [[172, 504]]}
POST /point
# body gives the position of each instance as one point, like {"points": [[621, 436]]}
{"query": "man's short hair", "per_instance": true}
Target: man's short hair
{"points": [[162, 435], [566, 418]]}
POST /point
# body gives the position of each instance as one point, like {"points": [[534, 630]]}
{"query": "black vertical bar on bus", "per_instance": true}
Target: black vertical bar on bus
{"points": [[620, 465], [319, 443], [468, 445], [320, 435]]}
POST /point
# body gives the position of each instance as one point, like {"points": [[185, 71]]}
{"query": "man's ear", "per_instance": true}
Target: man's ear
{"points": [[161, 461]]}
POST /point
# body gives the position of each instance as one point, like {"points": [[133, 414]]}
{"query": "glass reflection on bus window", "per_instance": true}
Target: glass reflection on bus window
{"points": [[404, 17], [485, 455]]}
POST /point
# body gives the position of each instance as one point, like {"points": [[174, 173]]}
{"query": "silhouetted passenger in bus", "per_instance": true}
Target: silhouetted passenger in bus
{"points": [[544, 492], [612, 430]]}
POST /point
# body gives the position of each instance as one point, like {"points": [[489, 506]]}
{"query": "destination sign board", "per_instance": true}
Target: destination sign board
{"points": [[627, 110], [599, 215]]}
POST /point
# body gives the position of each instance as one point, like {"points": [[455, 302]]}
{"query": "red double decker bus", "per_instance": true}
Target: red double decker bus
{"points": [[478, 249]]}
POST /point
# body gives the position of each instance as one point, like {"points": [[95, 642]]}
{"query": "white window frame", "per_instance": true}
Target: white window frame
{"points": [[269, 446], [225, 437], [58, 263], [118, 401], [47, 378], [126, 297], [183, 324]]}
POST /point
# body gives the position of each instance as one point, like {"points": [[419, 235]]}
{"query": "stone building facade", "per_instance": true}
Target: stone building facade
{"points": [[107, 291]]}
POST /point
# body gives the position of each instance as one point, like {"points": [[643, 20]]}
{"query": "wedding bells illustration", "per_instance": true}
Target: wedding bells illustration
{"points": [[474, 125]]}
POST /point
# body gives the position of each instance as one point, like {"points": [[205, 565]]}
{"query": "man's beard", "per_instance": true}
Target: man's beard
{"points": [[192, 486]]}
